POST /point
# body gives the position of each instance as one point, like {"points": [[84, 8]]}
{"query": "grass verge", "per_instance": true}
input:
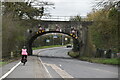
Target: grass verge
{"points": [[34, 48], [73, 54], [2, 63], [9, 60], [112, 61]]}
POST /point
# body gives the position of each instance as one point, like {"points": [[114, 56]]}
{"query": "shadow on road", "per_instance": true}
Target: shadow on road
{"points": [[57, 57]]}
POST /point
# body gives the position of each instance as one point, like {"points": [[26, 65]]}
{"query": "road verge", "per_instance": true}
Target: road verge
{"points": [[111, 61]]}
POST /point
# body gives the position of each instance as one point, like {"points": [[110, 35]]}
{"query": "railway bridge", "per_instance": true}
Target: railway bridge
{"points": [[77, 30]]}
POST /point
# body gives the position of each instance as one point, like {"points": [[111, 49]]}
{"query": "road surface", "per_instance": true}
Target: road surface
{"points": [[57, 60], [55, 63]]}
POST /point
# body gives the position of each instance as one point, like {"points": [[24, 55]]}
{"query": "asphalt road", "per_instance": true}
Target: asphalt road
{"points": [[59, 64], [55, 63], [32, 69]]}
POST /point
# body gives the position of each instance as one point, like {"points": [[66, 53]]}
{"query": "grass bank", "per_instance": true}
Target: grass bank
{"points": [[34, 48], [2, 63], [9, 60], [112, 61], [73, 54]]}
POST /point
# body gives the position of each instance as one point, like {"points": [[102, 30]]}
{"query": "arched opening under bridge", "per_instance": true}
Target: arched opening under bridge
{"points": [[31, 40]]}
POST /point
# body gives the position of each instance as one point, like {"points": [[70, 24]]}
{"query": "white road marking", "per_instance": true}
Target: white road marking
{"points": [[5, 75], [45, 68], [61, 72]]}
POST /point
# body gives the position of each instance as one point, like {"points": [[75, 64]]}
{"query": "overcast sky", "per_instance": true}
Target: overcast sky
{"points": [[71, 7]]}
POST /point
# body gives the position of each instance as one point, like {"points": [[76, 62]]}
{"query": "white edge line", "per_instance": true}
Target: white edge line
{"points": [[45, 68], [6, 74]]}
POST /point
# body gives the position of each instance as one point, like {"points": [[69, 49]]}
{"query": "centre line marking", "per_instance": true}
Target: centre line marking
{"points": [[45, 68], [61, 72]]}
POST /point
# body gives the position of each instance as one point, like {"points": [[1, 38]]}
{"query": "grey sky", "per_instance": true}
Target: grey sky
{"points": [[71, 7]]}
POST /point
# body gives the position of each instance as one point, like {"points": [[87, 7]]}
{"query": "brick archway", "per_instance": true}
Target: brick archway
{"points": [[31, 40]]}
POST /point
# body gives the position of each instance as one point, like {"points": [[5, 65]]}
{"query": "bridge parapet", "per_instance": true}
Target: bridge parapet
{"points": [[71, 32]]}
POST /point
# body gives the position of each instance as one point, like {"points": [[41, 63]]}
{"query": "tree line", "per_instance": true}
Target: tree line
{"points": [[17, 17], [104, 32], [51, 39]]}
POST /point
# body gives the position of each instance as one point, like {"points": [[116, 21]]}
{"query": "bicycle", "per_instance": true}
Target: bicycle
{"points": [[24, 60]]}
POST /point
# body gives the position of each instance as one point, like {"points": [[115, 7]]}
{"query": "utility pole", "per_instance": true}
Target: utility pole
{"points": [[62, 40], [53, 39], [118, 8], [118, 26]]}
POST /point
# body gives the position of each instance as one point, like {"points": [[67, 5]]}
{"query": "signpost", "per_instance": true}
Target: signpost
{"points": [[55, 36], [47, 40]]}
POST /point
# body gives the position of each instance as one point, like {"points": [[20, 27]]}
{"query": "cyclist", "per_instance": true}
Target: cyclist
{"points": [[24, 55]]}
